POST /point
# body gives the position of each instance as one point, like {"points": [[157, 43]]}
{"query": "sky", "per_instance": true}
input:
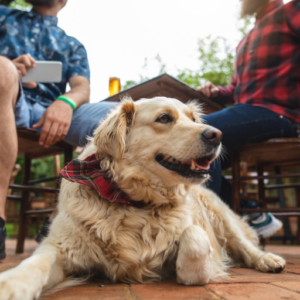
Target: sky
{"points": [[118, 35]]}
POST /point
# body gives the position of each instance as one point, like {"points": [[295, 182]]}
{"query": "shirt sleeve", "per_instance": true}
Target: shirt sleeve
{"points": [[226, 92], [293, 16], [78, 61]]}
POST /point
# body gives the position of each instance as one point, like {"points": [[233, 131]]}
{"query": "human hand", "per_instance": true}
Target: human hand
{"points": [[23, 63], [209, 90], [56, 121]]}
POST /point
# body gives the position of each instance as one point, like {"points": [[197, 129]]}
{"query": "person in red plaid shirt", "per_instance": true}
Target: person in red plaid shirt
{"points": [[265, 91]]}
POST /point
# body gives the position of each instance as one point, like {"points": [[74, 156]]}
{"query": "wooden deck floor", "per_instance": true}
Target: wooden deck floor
{"points": [[242, 284]]}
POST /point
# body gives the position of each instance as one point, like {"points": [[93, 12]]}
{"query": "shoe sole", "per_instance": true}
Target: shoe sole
{"points": [[268, 231]]}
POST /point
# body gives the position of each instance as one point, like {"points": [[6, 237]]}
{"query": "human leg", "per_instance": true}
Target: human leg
{"points": [[244, 124], [9, 89]]}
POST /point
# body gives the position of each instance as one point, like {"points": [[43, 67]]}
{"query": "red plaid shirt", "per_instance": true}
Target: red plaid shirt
{"points": [[267, 65]]}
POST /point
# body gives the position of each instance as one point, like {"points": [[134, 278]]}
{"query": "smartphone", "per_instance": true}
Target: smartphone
{"points": [[44, 71]]}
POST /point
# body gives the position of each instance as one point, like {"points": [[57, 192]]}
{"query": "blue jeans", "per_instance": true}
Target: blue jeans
{"points": [[243, 124], [85, 119]]}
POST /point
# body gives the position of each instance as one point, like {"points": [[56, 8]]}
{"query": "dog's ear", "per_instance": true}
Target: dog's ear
{"points": [[197, 111], [110, 135]]}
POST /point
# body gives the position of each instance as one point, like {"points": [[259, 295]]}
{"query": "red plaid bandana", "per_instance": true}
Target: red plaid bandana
{"points": [[88, 172]]}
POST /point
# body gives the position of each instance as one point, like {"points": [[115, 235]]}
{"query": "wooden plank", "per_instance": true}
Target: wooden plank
{"points": [[288, 175], [39, 211], [34, 189], [49, 179], [293, 211], [14, 197], [282, 186]]}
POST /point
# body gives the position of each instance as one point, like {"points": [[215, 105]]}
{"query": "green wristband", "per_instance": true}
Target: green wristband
{"points": [[67, 100]]}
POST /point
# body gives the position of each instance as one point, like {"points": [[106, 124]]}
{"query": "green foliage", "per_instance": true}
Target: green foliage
{"points": [[17, 4], [216, 59]]}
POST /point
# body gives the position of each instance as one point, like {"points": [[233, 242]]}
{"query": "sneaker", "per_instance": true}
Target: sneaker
{"points": [[2, 239], [44, 231], [265, 225]]}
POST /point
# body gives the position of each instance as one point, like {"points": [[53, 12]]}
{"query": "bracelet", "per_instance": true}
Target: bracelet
{"points": [[67, 100]]}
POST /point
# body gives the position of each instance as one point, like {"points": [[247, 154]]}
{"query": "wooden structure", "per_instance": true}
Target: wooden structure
{"points": [[277, 156], [29, 147], [167, 86]]}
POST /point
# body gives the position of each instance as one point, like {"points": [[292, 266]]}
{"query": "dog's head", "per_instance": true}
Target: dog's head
{"points": [[159, 139]]}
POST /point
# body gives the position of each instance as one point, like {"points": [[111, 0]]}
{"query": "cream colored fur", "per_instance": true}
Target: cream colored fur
{"points": [[184, 231]]}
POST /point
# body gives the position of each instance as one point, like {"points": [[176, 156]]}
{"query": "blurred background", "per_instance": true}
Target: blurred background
{"points": [[135, 40]]}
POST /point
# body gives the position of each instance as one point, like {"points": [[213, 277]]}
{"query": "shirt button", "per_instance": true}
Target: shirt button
{"points": [[281, 116], [32, 40], [251, 51]]}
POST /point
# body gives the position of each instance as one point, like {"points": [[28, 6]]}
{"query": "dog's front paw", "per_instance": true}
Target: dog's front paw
{"points": [[194, 261], [269, 262], [14, 288]]}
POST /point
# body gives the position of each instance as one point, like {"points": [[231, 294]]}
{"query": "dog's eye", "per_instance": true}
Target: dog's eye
{"points": [[164, 119], [194, 120]]}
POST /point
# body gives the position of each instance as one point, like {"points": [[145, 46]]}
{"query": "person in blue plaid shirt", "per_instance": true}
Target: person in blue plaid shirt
{"points": [[27, 37]]}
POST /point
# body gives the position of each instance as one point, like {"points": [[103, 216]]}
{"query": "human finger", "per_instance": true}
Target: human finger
{"points": [[32, 60], [206, 91], [51, 134], [21, 69], [59, 134], [27, 61], [30, 84], [45, 131], [40, 122], [215, 91]]}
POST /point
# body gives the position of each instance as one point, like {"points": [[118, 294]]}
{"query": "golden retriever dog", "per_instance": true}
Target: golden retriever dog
{"points": [[157, 152]]}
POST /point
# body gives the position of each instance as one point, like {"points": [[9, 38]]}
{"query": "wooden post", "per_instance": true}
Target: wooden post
{"points": [[24, 205], [236, 181], [261, 185], [298, 223], [68, 154]]}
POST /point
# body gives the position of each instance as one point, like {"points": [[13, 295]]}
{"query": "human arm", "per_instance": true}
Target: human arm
{"points": [[222, 95], [56, 119]]}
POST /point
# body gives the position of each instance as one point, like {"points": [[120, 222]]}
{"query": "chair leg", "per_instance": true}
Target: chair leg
{"points": [[286, 225], [68, 155], [24, 205], [261, 185], [236, 181], [298, 227]]}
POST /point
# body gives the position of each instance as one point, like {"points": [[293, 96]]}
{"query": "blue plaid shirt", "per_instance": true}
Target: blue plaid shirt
{"points": [[28, 32]]}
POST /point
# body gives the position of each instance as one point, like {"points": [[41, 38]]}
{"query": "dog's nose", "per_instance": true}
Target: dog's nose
{"points": [[212, 135]]}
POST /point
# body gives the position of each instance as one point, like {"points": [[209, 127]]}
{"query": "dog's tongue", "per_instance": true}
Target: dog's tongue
{"points": [[202, 164]]}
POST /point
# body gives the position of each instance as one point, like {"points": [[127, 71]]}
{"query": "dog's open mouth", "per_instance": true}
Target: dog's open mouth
{"points": [[191, 168]]}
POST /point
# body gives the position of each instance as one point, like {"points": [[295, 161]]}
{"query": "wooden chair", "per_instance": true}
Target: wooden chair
{"points": [[29, 147], [277, 157]]}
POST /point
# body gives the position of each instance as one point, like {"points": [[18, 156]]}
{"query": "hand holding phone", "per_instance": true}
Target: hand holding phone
{"points": [[31, 71], [23, 63]]}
